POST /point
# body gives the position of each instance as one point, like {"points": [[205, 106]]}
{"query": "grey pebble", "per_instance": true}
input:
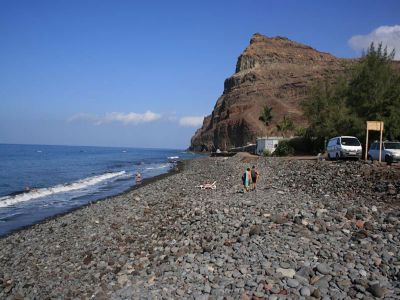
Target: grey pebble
{"points": [[323, 269], [293, 283], [305, 291]]}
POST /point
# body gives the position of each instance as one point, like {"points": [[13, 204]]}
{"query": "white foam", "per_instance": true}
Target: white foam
{"points": [[173, 157], [162, 166], [39, 193]]}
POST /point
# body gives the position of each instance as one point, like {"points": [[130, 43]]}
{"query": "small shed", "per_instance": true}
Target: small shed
{"points": [[266, 143]]}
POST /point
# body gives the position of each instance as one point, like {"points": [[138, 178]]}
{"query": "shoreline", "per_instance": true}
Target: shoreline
{"points": [[302, 234], [178, 168]]}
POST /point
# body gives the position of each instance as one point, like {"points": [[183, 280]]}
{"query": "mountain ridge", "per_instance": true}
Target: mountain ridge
{"points": [[272, 71]]}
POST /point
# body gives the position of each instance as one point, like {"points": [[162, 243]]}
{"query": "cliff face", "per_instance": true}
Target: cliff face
{"points": [[271, 71]]}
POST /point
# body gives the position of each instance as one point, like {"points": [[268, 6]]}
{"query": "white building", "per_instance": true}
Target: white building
{"points": [[267, 143]]}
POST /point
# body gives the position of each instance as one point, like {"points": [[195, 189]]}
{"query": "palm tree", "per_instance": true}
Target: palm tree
{"points": [[266, 115]]}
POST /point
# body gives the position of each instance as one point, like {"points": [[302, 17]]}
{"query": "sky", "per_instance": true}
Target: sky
{"points": [[145, 73]]}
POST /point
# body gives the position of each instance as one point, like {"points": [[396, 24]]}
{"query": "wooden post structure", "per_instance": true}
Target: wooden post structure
{"points": [[375, 126], [380, 143], [366, 144]]}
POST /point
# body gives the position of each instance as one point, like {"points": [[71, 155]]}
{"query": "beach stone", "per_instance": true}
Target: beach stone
{"points": [[316, 294], [360, 224], [180, 292], [343, 284], [368, 226], [320, 212], [244, 296], [286, 272], [305, 291], [305, 271], [293, 283], [377, 261], [323, 269], [348, 257], [255, 230], [350, 214], [377, 290], [279, 219], [301, 280], [122, 279], [285, 265], [297, 220], [323, 283]]}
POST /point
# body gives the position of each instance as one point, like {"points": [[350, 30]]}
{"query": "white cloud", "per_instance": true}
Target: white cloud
{"points": [[131, 117], [193, 121], [136, 118], [126, 118], [387, 35]]}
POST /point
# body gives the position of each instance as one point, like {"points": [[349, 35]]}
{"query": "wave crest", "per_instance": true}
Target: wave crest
{"points": [[62, 188]]}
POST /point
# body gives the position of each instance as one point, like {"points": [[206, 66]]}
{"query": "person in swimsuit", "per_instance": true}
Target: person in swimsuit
{"points": [[246, 179], [254, 177]]}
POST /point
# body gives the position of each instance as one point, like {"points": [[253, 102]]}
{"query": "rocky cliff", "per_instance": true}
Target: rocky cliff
{"points": [[271, 71]]}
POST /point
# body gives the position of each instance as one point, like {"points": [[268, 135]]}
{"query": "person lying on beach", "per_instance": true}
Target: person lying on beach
{"points": [[211, 186]]}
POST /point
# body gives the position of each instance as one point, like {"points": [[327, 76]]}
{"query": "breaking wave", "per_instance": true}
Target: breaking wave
{"points": [[62, 188], [161, 166]]}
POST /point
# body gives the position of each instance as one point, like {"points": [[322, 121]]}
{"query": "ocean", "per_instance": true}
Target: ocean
{"points": [[40, 181]]}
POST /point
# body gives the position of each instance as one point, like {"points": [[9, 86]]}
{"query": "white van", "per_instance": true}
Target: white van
{"points": [[344, 147]]}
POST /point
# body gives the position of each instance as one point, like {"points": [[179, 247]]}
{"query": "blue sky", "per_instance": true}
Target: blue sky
{"points": [[143, 74]]}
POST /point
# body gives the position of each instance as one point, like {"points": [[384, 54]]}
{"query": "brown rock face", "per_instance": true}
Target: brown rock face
{"points": [[271, 71]]}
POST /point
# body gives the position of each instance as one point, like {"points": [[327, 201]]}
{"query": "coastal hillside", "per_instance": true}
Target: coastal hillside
{"points": [[276, 72]]}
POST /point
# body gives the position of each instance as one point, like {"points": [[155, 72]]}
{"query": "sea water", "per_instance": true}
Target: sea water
{"points": [[40, 181]]}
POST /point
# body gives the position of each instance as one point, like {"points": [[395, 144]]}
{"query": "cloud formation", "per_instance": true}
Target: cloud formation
{"points": [[125, 118], [131, 117], [387, 35], [136, 118], [193, 121]]}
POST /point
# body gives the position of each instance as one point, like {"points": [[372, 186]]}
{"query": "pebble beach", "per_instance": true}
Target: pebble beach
{"points": [[311, 230]]}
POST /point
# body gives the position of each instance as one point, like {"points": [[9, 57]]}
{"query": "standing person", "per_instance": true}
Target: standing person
{"points": [[138, 178], [254, 177], [246, 179]]}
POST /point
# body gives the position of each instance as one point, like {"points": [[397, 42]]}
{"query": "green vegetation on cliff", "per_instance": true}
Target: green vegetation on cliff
{"points": [[266, 115], [370, 90]]}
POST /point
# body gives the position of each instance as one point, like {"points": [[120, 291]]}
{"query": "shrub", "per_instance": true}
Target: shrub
{"points": [[284, 148], [266, 153], [300, 131], [301, 145]]}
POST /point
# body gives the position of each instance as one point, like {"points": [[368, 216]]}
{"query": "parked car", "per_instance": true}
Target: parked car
{"points": [[344, 147], [390, 151]]}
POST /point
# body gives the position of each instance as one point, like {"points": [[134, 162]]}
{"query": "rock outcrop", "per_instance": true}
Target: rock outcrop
{"points": [[276, 72]]}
